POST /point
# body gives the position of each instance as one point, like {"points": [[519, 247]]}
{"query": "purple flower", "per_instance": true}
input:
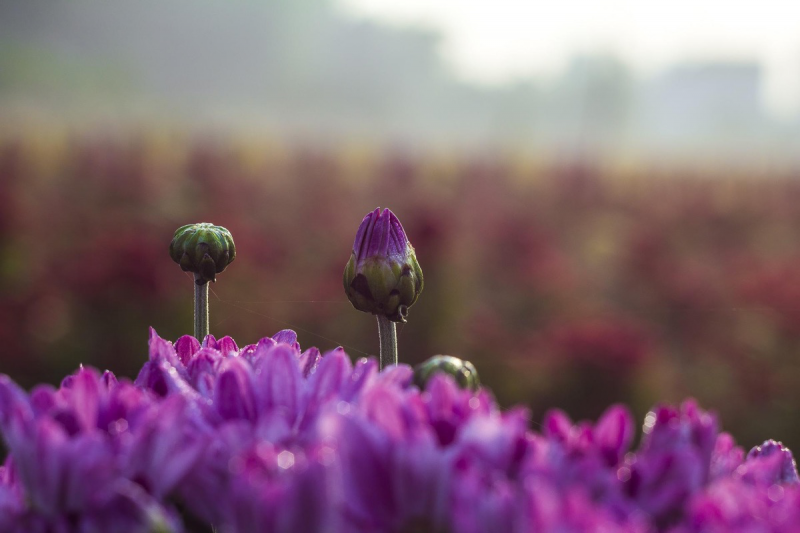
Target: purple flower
{"points": [[389, 483], [673, 462], [283, 492], [81, 451], [730, 505], [11, 499], [382, 276], [768, 464], [162, 447], [725, 458], [272, 438]]}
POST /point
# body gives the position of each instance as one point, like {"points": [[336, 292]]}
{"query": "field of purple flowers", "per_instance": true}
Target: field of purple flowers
{"points": [[569, 285]]}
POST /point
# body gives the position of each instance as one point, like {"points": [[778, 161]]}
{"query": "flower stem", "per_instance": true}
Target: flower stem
{"points": [[200, 308], [387, 333]]}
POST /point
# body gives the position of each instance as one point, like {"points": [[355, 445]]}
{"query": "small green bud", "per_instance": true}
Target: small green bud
{"points": [[204, 249], [463, 371], [382, 276]]}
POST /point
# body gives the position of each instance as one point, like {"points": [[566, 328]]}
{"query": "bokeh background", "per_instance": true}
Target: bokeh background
{"points": [[605, 203]]}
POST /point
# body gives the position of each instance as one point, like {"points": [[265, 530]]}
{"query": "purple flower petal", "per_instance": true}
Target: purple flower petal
{"points": [[233, 395], [210, 341], [364, 373], [613, 433], [287, 336], [309, 359], [185, 348], [161, 350], [328, 377], [278, 379], [227, 346], [768, 464], [164, 447]]}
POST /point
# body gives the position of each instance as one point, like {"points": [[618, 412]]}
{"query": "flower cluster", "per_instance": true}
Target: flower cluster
{"points": [[272, 438]]}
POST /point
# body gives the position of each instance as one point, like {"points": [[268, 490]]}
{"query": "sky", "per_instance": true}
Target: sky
{"points": [[494, 41]]}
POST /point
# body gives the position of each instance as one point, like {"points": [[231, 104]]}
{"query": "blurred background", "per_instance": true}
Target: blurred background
{"points": [[604, 196]]}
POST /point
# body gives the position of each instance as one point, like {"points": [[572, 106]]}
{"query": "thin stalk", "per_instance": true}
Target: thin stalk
{"points": [[387, 333], [200, 309]]}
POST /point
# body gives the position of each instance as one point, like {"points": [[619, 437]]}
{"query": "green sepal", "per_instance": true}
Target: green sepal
{"points": [[463, 372]]}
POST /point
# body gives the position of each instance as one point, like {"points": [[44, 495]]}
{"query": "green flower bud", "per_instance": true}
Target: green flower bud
{"points": [[204, 249], [383, 276], [463, 371]]}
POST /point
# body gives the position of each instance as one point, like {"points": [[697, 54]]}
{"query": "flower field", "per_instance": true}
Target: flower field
{"points": [[567, 284]]}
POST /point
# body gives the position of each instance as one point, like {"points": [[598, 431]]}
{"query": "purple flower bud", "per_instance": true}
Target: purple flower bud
{"points": [[383, 276]]}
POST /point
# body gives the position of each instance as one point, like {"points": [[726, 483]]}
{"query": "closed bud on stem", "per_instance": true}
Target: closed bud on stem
{"points": [[382, 276], [204, 249], [463, 372]]}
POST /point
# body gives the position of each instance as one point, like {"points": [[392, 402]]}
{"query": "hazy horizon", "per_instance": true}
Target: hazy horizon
{"points": [[348, 69]]}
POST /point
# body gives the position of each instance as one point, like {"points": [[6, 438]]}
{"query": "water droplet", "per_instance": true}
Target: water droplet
{"points": [[118, 426], [775, 493], [286, 459], [649, 422]]}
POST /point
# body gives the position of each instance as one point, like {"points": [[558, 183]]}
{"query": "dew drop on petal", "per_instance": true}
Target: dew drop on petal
{"points": [[775, 493], [649, 422], [118, 426], [285, 459]]}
